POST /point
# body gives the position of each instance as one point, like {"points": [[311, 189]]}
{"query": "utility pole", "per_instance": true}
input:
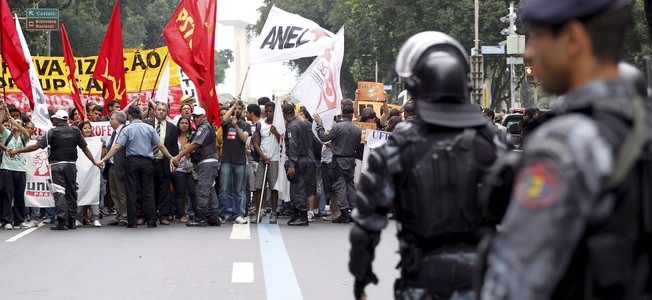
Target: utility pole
{"points": [[477, 62], [515, 45]]}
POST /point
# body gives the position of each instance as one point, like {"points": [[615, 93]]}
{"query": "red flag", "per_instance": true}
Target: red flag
{"points": [[71, 67], [12, 53], [190, 37], [110, 62]]}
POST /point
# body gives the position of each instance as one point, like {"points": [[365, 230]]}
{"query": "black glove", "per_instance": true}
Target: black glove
{"points": [[359, 285]]}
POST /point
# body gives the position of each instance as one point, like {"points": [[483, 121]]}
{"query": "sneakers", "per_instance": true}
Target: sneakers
{"points": [[26, 225], [255, 219], [344, 217], [47, 221], [8, 226], [300, 220], [241, 220], [78, 224], [311, 216], [196, 223], [331, 217], [96, 223], [272, 218]]}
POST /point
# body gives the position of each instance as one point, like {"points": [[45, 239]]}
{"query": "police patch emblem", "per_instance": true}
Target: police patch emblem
{"points": [[539, 185]]}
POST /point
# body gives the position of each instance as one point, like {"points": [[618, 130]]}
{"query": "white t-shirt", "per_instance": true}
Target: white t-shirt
{"points": [[268, 142]]}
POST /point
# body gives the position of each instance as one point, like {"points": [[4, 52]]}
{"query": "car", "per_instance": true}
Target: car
{"points": [[510, 121]]}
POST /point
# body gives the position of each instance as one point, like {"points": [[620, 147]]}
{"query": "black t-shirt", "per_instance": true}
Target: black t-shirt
{"points": [[234, 148]]}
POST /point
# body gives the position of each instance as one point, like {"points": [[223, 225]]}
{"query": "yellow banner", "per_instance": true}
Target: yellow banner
{"points": [[52, 72]]}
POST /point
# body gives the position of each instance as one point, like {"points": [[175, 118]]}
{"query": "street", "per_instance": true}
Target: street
{"points": [[251, 261]]}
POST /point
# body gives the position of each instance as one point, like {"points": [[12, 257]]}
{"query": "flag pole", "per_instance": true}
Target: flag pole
{"points": [[159, 74], [245, 80], [140, 88]]}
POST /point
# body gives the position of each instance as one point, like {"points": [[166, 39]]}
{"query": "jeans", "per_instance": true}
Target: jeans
{"points": [[232, 178]]}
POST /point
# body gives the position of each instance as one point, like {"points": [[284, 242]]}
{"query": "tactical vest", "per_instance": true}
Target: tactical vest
{"points": [[208, 149], [63, 142], [437, 200]]}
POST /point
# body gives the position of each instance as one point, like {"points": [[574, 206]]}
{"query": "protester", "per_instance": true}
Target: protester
{"points": [[183, 179], [12, 172], [235, 132], [87, 132], [266, 143]]}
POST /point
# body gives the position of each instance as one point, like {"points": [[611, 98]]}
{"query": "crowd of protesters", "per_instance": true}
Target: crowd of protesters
{"points": [[243, 177]]}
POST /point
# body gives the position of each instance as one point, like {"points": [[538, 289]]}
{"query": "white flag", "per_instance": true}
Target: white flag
{"points": [[287, 36], [163, 90], [40, 116], [318, 88], [282, 183], [89, 176]]}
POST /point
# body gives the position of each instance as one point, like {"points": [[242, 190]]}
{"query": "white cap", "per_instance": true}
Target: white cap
{"points": [[197, 111], [61, 115]]}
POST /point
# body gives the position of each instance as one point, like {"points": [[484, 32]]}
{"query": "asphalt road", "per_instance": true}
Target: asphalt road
{"points": [[253, 261]]}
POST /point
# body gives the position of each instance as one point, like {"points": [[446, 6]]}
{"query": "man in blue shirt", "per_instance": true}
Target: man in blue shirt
{"points": [[138, 138]]}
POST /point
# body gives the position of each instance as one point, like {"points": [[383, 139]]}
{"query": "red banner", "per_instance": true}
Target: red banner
{"points": [[110, 63]]}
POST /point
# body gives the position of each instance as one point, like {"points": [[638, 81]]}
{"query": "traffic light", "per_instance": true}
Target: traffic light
{"points": [[529, 74], [510, 18]]}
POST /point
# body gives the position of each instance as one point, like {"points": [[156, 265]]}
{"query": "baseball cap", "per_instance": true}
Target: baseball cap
{"points": [[197, 111], [61, 115]]}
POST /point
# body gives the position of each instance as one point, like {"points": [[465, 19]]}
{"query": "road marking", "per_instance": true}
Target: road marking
{"points": [[280, 281], [243, 272], [22, 234], [240, 232]]}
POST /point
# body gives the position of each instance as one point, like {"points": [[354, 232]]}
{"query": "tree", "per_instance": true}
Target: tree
{"points": [[223, 59]]}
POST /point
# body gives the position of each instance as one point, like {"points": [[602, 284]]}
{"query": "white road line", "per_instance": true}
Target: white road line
{"points": [[240, 232], [243, 272], [22, 234], [280, 281]]}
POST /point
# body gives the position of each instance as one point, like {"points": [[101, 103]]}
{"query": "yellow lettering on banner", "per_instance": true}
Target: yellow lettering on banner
{"points": [[54, 77], [186, 21]]}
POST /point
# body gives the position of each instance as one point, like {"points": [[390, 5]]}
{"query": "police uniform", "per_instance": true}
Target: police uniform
{"points": [[573, 227], [345, 137], [428, 172], [207, 166], [298, 148], [63, 141]]}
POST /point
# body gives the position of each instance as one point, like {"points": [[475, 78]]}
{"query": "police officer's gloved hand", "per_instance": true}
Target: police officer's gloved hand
{"points": [[359, 285]]}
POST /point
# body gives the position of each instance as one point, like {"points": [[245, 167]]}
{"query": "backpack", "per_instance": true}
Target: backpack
{"points": [[438, 194]]}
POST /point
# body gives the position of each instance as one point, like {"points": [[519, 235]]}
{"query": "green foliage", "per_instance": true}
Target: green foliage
{"points": [[223, 59], [376, 29]]}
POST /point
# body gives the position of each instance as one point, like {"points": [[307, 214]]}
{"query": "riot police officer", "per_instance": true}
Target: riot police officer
{"points": [[574, 228], [428, 172], [63, 141], [345, 137], [203, 153]]}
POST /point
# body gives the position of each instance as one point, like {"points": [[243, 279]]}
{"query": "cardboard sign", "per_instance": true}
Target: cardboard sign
{"points": [[370, 91]]}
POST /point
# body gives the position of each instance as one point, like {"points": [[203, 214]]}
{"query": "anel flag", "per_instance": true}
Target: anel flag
{"points": [[71, 68], [12, 53], [110, 62], [190, 37]]}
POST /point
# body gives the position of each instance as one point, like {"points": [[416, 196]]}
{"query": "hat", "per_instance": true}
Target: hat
{"points": [[198, 111], [186, 98], [61, 115], [560, 11]]}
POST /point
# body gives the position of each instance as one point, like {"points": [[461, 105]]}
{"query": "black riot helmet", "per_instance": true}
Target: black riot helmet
{"points": [[436, 71]]}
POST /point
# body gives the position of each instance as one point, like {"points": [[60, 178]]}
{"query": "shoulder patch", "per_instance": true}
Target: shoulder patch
{"points": [[539, 185]]}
